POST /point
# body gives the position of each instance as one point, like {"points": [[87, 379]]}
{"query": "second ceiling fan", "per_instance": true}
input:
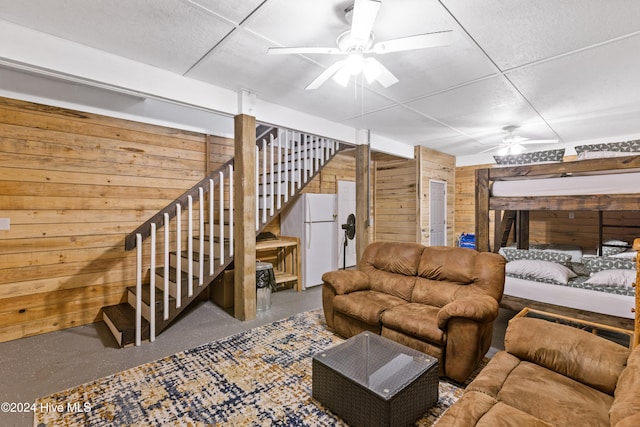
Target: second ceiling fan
{"points": [[358, 43], [514, 144]]}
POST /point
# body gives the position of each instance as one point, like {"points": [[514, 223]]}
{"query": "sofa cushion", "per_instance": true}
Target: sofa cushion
{"points": [[434, 292], [416, 320], [626, 405], [391, 283], [366, 306], [391, 267], [478, 409], [578, 354], [448, 264], [400, 258], [554, 398]]}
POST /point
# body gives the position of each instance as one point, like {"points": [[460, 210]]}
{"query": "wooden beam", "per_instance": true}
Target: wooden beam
{"points": [[244, 217], [594, 202], [482, 210], [532, 170], [362, 199], [522, 230]]}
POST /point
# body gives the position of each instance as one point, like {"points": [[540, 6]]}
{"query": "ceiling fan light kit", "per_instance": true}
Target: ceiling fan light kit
{"points": [[358, 42], [515, 144]]}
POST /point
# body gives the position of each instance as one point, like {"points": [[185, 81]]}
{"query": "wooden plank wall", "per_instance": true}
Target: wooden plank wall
{"points": [[545, 226], [434, 165], [396, 207], [73, 185]]}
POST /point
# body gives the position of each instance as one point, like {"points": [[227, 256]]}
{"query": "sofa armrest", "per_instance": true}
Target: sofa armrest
{"points": [[346, 281], [480, 308], [572, 352]]}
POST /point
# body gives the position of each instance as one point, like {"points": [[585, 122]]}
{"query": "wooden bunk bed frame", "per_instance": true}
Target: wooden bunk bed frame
{"points": [[515, 210]]}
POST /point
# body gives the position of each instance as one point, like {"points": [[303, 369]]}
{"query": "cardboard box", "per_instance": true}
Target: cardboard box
{"points": [[221, 291]]}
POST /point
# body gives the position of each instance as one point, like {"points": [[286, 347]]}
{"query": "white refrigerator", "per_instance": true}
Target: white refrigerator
{"points": [[313, 218]]}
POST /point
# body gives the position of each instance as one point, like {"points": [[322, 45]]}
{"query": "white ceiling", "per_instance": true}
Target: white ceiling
{"points": [[565, 69]]}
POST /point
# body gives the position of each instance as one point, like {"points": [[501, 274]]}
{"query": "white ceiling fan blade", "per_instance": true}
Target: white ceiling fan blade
{"points": [[303, 50], [324, 76], [364, 15], [384, 76], [420, 41]]}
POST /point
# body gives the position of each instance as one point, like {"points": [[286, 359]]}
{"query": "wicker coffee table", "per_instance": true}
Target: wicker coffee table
{"points": [[369, 380]]}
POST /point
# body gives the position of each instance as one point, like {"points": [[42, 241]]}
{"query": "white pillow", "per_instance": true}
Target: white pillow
{"points": [[586, 155], [631, 254], [545, 270], [612, 278]]}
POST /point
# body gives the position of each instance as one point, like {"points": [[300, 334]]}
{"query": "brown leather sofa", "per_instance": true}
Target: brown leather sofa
{"points": [[438, 300], [552, 375]]}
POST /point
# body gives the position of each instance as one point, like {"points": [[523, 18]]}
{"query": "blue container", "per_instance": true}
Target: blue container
{"points": [[467, 240]]}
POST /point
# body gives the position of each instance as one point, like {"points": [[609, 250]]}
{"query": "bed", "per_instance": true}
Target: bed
{"points": [[511, 192], [565, 279]]}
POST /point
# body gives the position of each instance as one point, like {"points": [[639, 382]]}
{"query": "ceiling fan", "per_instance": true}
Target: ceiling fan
{"points": [[514, 144], [358, 43]]}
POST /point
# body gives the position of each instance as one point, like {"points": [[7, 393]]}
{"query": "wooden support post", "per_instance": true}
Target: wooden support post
{"points": [[522, 238], [482, 210], [244, 217], [362, 199]]}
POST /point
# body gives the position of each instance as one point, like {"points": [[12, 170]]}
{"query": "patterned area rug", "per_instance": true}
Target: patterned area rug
{"points": [[258, 377]]}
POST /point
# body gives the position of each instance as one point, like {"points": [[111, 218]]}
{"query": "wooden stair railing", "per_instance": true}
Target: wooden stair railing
{"points": [[286, 162]]}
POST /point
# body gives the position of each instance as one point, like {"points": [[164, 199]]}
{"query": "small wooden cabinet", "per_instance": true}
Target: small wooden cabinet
{"points": [[284, 254]]}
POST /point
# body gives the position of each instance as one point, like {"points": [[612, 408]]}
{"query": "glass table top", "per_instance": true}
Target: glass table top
{"points": [[376, 363]]}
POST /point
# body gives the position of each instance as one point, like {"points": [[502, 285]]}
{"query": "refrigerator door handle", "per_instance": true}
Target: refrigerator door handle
{"points": [[308, 233]]}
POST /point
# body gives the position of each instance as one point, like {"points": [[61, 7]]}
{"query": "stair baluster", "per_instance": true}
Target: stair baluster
{"points": [[152, 288], [165, 287], [231, 210]]}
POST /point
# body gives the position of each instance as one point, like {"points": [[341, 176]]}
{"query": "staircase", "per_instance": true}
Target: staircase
{"points": [[185, 246]]}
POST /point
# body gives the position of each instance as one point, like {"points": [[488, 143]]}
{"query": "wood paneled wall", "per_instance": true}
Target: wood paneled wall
{"points": [[396, 199], [563, 227], [434, 165], [73, 185], [465, 200], [402, 195]]}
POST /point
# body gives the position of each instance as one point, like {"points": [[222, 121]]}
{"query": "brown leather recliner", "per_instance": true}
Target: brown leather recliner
{"points": [[438, 300]]}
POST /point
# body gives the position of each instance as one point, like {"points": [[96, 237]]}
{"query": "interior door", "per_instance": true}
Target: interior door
{"points": [[437, 213], [346, 206]]}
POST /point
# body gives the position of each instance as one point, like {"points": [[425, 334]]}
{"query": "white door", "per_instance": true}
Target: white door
{"points": [[437, 213], [346, 206]]}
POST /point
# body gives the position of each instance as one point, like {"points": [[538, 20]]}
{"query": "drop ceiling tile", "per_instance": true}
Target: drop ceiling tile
{"points": [[426, 71], [241, 62], [134, 29], [594, 87], [518, 32], [400, 124], [235, 11], [473, 109], [455, 145], [308, 23]]}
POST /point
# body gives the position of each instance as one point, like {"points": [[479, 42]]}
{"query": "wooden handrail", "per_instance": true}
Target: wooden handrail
{"points": [[158, 218]]}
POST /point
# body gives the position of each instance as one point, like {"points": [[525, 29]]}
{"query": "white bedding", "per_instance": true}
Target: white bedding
{"points": [[617, 183], [578, 298]]}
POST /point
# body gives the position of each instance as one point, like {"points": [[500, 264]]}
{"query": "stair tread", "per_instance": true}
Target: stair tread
{"points": [[173, 274], [123, 318], [146, 295], [216, 239]]}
